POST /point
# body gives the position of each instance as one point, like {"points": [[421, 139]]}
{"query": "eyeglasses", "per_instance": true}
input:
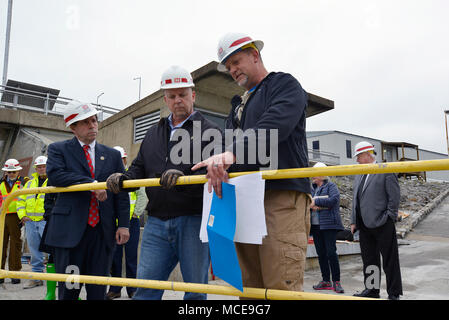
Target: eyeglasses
{"points": [[12, 172]]}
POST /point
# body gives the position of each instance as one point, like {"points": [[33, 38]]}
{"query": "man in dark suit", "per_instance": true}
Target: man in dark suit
{"points": [[374, 212], [82, 228]]}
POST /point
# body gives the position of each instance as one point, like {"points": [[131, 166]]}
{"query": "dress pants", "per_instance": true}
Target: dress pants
{"points": [[375, 242], [279, 262], [12, 236], [90, 257], [131, 248]]}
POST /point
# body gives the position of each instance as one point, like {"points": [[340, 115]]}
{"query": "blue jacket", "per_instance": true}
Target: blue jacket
{"points": [[278, 102], [329, 215]]}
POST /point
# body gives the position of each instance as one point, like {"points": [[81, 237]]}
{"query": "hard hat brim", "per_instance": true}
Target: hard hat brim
{"points": [[368, 150], [177, 85], [15, 169], [222, 68]]}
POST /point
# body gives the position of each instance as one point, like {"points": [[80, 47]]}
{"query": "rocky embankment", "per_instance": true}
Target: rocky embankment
{"points": [[418, 198]]}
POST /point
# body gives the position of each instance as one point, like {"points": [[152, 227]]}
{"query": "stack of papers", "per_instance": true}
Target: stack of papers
{"points": [[250, 226]]}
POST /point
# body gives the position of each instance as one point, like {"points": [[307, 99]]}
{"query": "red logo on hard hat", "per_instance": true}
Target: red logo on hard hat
{"points": [[85, 107], [220, 51], [239, 41], [70, 117]]}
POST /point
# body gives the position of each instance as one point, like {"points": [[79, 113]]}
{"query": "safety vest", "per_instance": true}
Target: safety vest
{"points": [[132, 203], [32, 205], [17, 185]]}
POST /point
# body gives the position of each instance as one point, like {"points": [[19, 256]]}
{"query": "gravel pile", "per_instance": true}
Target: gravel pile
{"points": [[416, 196]]}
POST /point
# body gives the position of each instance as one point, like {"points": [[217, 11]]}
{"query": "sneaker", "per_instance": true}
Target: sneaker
{"points": [[33, 283], [368, 293], [323, 285], [337, 287], [113, 295]]}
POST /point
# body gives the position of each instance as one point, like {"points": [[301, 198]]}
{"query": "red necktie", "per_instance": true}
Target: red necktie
{"points": [[94, 216]]}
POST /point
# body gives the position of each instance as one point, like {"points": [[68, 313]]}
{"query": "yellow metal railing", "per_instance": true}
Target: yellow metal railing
{"points": [[257, 293]]}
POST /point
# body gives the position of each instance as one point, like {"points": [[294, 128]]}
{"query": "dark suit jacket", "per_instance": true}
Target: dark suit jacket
{"points": [[379, 200], [67, 165]]}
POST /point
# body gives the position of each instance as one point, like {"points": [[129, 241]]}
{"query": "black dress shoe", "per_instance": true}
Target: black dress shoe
{"points": [[393, 297], [113, 295], [15, 281], [368, 293]]}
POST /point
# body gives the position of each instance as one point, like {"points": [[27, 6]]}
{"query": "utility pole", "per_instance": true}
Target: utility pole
{"points": [[446, 112], [8, 34], [140, 83]]}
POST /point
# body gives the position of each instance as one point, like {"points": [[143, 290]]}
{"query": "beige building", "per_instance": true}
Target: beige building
{"points": [[214, 91]]}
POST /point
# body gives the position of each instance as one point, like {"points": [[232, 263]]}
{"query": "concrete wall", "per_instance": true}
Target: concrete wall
{"points": [[118, 129]]}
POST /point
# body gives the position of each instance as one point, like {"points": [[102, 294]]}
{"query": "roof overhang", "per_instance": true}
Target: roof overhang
{"points": [[222, 84]]}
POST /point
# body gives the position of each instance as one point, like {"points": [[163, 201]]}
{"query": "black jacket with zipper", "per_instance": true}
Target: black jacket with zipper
{"points": [[277, 103], [154, 158]]}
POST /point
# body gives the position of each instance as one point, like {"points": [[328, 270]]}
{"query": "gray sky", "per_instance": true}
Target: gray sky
{"points": [[385, 64]]}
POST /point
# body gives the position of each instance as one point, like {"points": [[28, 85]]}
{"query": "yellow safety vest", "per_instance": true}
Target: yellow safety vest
{"points": [[132, 203], [32, 205], [13, 205]]}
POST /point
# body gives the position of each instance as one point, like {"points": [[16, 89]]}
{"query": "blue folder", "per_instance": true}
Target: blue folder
{"points": [[220, 231]]}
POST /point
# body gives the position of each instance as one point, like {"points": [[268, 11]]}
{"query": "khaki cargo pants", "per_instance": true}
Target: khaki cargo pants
{"points": [[279, 262]]}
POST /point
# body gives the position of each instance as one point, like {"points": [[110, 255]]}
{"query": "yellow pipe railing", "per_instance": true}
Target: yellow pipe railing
{"points": [[257, 293]]}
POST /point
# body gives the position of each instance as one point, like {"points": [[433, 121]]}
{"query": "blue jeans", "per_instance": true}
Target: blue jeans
{"points": [[34, 230], [164, 244], [326, 248]]}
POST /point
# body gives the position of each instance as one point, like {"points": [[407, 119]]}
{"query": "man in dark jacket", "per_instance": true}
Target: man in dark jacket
{"points": [[273, 109], [171, 234]]}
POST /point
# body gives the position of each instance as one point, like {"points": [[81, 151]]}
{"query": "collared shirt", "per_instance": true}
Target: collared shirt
{"points": [[367, 175], [10, 182], [91, 151], [173, 128]]}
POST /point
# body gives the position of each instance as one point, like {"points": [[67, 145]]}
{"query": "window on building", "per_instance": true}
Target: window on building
{"points": [[143, 123], [316, 149], [348, 149]]}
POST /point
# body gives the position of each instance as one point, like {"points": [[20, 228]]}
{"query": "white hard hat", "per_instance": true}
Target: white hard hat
{"points": [[319, 165], [12, 165], [363, 147], [40, 160], [122, 151], [176, 77], [231, 43], [77, 111]]}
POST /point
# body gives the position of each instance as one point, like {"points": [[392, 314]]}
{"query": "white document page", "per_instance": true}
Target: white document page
{"points": [[250, 210]]}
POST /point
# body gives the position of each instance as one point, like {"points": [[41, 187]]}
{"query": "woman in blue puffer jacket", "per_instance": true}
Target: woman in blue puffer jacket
{"points": [[325, 223]]}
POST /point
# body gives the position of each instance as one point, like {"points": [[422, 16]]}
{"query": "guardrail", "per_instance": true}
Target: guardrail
{"points": [[257, 293], [50, 103]]}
